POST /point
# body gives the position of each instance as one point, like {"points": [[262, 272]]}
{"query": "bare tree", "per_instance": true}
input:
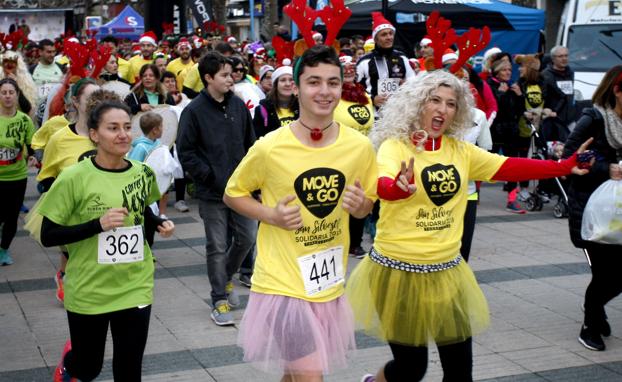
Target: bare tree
{"points": [[219, 8]]}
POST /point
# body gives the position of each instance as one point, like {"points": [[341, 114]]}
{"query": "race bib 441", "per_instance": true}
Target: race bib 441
{"points": [[121, 245], [322, 270]]}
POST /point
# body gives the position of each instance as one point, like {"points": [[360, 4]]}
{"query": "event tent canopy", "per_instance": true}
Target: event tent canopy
{"points": [[127, 24]]}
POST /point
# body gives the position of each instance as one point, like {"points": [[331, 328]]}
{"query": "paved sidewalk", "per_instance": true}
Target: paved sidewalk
{"points": [[532, 276]]}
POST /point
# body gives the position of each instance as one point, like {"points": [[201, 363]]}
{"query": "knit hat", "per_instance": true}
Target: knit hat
{"points": [[264, 70], [448, 55], [148, 37], [380, 23], [279, 72]]}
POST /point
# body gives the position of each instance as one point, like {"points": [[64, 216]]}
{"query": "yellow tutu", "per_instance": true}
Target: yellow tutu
{"points": [[34, 220], [414, 308]]}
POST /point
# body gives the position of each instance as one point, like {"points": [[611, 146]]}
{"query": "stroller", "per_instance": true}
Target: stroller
{"points": [[544, 191]]}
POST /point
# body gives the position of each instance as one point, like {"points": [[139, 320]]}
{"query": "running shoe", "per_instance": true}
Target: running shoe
{"points": [[60, 289], [232, 296], [591, 339], [603, 327], [181, 206], [221, 314], [246, 280], [5, 257], [60, 374], [515, 208], [368, 378]]}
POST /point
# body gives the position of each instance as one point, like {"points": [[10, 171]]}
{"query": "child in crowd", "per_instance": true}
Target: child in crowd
{"points": [[151, 126]]}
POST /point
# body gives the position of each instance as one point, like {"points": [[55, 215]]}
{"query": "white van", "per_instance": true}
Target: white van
{"points": [[592, 32]]}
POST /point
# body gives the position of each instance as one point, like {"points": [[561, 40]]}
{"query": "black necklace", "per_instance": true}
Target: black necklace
{"points": [[316, 134]]}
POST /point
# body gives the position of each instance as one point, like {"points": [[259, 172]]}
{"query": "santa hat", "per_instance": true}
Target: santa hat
{"points": [[148, 37], [264, 70], [135, 50], [316, 34], [425, 41], [197, 41], [449, 54], [490, 52], [344, 60], [230, 40], [184, 42], [380, 23], [281, 71]]}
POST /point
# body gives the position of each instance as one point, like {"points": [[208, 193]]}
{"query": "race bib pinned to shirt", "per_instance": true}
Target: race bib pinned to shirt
{"points": [[388, 86], [121, 245], [9, 154], [567, 87], [321, 270]]}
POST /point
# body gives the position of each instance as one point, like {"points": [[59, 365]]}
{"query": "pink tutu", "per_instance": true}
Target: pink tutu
{"points": [[289, 335]]}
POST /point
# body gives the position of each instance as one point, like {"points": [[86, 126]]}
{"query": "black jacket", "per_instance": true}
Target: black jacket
{"points": [[266, 119], [504, 129], [562, 104], [590, 124], [212, 139], [134, 102]]}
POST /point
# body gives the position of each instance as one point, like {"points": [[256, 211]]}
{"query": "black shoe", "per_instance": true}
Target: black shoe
{"points": [[605, 329], [591, 339], [245, 280]]}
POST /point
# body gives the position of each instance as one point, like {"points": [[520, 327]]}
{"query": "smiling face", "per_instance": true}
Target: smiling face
{"points": [[113, 134], [285, 86], [147, 49], [439, 111], [319, 90]]}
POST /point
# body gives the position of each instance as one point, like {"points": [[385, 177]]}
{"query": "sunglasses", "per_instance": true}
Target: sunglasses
{"points": [[239, 70]]}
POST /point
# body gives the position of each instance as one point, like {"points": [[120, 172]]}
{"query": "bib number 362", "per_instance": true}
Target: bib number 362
{"points": [[120, 245], [321, 270]]}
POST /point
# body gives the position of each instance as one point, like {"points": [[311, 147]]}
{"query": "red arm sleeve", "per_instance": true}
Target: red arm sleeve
{"points": [[388, 189], [518, 169]]}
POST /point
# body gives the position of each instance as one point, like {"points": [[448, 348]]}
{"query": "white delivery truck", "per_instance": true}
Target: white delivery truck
{"points": [[592, 32]]}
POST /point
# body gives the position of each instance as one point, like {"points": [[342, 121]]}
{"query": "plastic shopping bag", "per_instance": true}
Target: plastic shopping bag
{"points": [[602, 218]]}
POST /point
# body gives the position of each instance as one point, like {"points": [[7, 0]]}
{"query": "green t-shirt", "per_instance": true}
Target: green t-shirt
{"points": [[15, 133], [84, 192]]}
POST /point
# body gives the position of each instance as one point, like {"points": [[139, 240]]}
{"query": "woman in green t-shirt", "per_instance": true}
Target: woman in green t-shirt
{"points": [[16, 130], [98, 208]]}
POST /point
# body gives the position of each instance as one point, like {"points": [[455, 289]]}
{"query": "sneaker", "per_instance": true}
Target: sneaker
{"points": [[359, 253], [60, 374], [368, 378], [221, 314], [60, 290], [590, 339], [181, 206], [515, 208], [245, 280], [523, 195], [5, 257], [604, 327], [232, 296]]}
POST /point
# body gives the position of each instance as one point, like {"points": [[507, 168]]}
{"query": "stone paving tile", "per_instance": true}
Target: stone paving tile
{"points": [[541, 359]]}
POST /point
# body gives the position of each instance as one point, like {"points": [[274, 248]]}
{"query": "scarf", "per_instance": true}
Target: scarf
{"points": [[613, 126]]}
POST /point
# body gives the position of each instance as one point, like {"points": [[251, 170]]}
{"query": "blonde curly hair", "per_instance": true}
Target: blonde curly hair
{"points": [[22, 77], [402, 114]]}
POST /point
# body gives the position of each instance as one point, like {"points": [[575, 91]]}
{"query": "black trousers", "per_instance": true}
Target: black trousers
{"points": [[411, 362], [470, 215], [129, 329], [606, 282], [356, 232], [12, 197]]}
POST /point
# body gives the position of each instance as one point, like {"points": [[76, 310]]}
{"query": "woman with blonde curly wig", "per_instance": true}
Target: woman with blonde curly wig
{"points": [[14, 66], [414, 287]]}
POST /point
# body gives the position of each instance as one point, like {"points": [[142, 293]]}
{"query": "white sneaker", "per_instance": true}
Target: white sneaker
{"points": [[181, 206]]}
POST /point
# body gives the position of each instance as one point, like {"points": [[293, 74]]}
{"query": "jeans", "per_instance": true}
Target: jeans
{"points": [[220, 221], [129, 328], [249, 263]]}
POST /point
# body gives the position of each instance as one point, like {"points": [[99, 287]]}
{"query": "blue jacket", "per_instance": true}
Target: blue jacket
{"points": [[141, 147]]}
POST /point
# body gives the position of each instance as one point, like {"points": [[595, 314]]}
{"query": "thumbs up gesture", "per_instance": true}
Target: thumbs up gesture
{"points": [[286, 216]]}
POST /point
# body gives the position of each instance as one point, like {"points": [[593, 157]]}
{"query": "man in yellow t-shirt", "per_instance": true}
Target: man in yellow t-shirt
{"points": [[184, 61], [148, 44]]}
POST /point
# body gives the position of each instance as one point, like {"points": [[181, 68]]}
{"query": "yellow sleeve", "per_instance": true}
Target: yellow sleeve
{"points": [[370, 183], [49, 163], [193, 79], [482, 164], [124, 68], [390, 158], [249, 175]]}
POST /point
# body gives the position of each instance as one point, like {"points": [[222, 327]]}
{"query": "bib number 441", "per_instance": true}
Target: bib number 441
{"points": [[322, 270]]}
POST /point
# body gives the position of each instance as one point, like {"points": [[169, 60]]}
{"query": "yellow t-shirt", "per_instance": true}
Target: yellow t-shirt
{"points": [[177, 67], [136, 63], [286, 116], [426, 228], [124, 68], [360, 117], [45, 132], [192, 78], [279, 165], [64, 149]]}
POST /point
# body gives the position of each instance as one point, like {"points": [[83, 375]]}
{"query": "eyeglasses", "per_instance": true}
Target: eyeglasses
{"points": [[239, 70]]}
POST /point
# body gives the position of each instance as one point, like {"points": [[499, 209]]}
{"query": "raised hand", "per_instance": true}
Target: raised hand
{"points": [[354, 198], [406, 174], [113, 218], [583, 167], [286, 216]]}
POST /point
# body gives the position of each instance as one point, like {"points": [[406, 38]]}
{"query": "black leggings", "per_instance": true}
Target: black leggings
{"points": [[12, 197], [470, 215], [180, 189], [129, 330], [357, 227], [606, 281], [411, 362]]}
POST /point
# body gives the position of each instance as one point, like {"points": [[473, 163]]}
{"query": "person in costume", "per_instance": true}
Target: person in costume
{"points": [[98, 208], [148, 45], [280, 107], [356, 110], [16, 130], [13, 66], [604, 123], [313, 174], [414, 287]]}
